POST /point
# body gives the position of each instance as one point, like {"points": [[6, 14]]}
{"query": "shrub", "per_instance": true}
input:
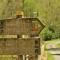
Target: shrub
{"points": [[47, 34]]}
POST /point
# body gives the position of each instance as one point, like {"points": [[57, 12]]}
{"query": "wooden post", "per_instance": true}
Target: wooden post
{"points": [[24, 57], [27, 57], [20, 57]]}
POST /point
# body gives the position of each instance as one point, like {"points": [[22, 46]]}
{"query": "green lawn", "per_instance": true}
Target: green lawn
{"points": [[58, 45], [53, 42], [49, 57]]}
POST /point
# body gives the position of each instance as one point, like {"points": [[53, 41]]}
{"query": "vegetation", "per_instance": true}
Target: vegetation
{"points": [[48, 11], [58, 45], [50, 57], [52, 42], [47, 34]]}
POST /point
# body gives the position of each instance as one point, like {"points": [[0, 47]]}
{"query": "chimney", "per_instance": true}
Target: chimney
{"points": [[19, 14]]}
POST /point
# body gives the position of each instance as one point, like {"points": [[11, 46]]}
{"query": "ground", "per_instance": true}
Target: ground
{"points": [[53, 49], [49, 56]]}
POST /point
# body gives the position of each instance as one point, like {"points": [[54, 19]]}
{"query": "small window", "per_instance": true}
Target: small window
{"points": [[36, 42], [36, 51], [1, 26], [1, 22]]}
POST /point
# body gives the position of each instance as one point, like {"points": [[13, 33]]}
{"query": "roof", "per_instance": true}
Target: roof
{"points": [[25, 19]]}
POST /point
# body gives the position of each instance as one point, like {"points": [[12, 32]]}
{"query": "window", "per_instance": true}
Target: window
{"points": [[1, 26]]}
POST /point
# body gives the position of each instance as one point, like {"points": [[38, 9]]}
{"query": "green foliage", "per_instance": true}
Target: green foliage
{"points": [[48, 11], [48, 36], [50, 57], [47, 33], [58, 45], [29, 7]]}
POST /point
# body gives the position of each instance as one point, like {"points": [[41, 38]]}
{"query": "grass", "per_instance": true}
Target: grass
{"points": [[49, 57], [58, 45], [53, 42]]}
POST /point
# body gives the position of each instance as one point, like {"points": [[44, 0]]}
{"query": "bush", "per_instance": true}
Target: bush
{"points": [[47, 34]]}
